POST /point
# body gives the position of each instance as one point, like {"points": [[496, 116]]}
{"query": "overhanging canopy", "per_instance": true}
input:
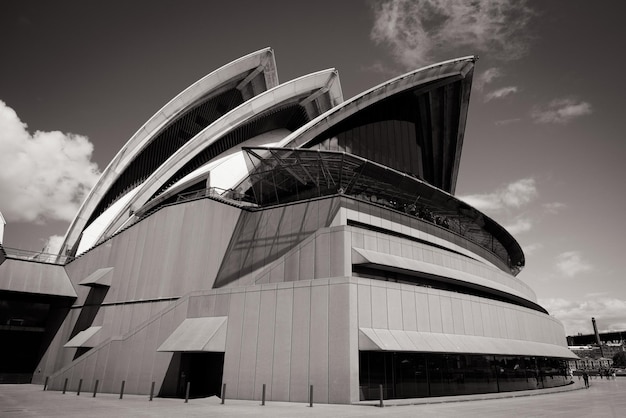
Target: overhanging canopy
{"points": [[198, 334], [100, 277], [441, 273], [378, 339], [86, 338]]}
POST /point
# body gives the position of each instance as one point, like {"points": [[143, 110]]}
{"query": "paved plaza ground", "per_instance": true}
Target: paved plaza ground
{"points": [[603, 399]]}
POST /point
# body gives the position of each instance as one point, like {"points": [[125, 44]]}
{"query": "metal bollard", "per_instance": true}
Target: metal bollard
{"points": [[45, 384], [311, 396], [187, 392], [122, 389], [152, 391], [223, 392], [80, 385], [380, 390], [263, 396], [95, 388], [65, 385]]}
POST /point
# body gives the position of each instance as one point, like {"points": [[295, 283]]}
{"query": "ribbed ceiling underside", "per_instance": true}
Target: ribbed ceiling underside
{"points": [[434, 114], [289, 117], [169, 140]]}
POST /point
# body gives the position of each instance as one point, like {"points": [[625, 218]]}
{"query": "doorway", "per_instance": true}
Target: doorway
{"points": [[204, 373]]}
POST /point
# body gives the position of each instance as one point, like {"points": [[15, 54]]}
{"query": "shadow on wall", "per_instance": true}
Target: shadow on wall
{"points": [[263, 236]]}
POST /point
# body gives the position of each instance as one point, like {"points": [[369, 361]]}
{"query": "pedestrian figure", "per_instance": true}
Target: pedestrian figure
{"points": [[586, 379]]}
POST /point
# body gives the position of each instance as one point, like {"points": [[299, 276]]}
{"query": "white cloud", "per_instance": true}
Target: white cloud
{"points": [[560, 111], [513, 195], [532, 248], [500, 93], [610, 314], [505, 122], [53, 244], [416, 30], [554, 207], [519, 226], [44, 175], [487, 77], [571, 263]]}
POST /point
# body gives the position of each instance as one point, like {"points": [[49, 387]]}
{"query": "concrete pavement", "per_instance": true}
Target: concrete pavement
{"points": [[603, 399]]}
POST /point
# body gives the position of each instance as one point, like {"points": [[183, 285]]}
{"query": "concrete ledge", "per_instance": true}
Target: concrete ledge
{"points": [[574, 385]]}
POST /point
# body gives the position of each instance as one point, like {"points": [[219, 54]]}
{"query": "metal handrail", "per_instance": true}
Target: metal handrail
{"points": [[39, 256]]}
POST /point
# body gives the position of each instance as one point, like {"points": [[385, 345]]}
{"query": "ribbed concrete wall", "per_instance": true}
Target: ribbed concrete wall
{"points": [[293, 318]]}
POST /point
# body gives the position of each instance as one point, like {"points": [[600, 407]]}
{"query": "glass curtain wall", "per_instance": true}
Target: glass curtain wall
{"points": [[419, 375]]}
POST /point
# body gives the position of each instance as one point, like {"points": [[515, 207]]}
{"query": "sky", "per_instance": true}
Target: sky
{"points": [[544, 144]]}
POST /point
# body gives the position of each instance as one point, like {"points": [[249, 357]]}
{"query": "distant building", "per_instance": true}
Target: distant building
{"points": [[591, 357], [254, 233]]}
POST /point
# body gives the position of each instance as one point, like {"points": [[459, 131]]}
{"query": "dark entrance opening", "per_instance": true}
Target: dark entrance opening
{"points": [[203, 371]]}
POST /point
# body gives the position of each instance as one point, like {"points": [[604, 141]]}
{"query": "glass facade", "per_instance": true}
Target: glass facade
{"points": [[419, 375]]}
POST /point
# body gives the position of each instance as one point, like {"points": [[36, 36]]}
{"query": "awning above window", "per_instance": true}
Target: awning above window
{"points": [[377, 339], [100, 277], [394, 263], [198, 334], [87, 338]]}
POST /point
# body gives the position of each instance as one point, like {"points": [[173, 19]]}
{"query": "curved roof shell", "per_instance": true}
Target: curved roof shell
{"points": [[303, 98], [419, 117], [174, 124], [284, 175]]}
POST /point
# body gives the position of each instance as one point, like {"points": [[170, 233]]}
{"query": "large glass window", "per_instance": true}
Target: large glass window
{"points": [[417, 375]]}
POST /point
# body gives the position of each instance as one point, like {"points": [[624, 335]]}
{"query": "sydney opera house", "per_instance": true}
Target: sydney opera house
{"points": [[261, 233]]}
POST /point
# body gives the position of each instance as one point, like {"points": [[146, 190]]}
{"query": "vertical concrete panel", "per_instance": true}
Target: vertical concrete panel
{"points": [[394, 306], [468, 318], [292, 267], [418, 253], [369, 241], [101, 369], [395, 248], [136, 344], [139, 254], [422, 311], [265, 350], [358, 240], [147, 357], [353, 349], [379, 305], [232, 357], [382, 244], [339, 340], [318, 357], [501, 315], [457, 316], [511, 323], [247, 359], [479, 328], [307, 261], [409, 315], [364, 305], [447, 318], [282, 344], [88, 367], [340, 255], [222, 303], [299, 374], [322, 256], [521, 325], [434, 311], [488, 327], [127, 262], [277, 273]]}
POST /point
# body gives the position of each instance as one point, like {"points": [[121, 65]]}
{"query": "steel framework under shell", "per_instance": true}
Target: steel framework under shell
{"points": [[259, 233]]}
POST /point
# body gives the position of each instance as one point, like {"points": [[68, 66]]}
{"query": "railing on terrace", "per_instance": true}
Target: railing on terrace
{"points": [[37, 256], [217, 193]]}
